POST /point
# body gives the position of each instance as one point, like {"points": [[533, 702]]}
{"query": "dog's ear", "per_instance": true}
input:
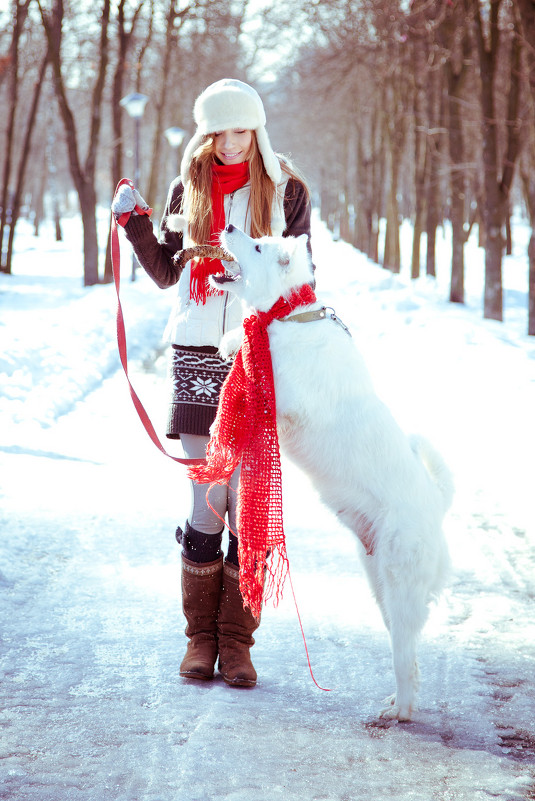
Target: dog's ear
{"points": [[300, 246], [301, 240], [293, 244]]}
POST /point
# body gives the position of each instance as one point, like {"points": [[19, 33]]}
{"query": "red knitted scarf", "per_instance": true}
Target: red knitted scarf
{"points": [[226, 178], [245, 430]]}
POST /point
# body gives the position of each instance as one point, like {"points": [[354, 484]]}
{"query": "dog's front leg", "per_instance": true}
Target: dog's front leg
{"points": [[231, 343]]}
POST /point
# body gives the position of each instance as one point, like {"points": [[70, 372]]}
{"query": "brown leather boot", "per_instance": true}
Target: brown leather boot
{"points": [[235, 626], [201, 590]]}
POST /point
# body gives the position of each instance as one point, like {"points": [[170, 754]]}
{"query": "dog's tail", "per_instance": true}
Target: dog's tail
{"points": [[436, 467]]}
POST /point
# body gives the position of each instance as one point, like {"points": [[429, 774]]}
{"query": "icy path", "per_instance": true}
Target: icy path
{"points": [[92, 706]]}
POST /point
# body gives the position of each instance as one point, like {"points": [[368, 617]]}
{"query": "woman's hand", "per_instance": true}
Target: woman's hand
{"points": [[127, 200]]}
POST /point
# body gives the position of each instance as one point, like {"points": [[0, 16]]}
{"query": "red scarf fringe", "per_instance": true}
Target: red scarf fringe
{"points": [[245, 430], [226, 178]]}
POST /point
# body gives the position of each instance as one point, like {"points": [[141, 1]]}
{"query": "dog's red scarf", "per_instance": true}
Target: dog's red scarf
{"points": [[245, 430]]}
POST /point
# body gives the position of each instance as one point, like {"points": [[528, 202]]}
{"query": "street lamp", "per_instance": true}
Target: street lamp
{"points": [[134, 104], [175, 137]]}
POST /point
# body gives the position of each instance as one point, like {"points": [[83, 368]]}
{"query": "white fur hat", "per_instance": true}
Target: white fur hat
{"points": [[231, 104]]}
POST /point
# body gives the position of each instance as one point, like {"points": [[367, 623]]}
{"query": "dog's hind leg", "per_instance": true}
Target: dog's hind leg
{"points": [[402, 704], [407, 614], [370, 565]]}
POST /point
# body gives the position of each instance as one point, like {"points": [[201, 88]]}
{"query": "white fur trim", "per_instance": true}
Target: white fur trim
{"points": [[269, 157], [177, 223], [228, 104], [191, 147], [231, 104]]}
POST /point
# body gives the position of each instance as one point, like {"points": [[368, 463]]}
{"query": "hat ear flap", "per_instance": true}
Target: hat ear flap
{"points": [[271, 162], [191, 147]]}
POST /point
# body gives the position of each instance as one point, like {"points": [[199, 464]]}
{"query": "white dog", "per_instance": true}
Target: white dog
{"points": [[391, 491]]}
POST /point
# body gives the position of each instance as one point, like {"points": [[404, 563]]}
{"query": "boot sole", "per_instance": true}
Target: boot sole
{"points": [[239, 682], [198, 676]]}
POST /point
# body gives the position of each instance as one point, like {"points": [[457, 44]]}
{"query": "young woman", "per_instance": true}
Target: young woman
{"points": [[229, 174]]}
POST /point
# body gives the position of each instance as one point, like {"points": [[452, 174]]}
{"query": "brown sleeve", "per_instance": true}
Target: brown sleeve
{"points": [[297, 211], [155, 254]]}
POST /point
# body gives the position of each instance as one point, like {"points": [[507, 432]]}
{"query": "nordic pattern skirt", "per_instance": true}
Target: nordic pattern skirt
{"points": [[196, 376]]}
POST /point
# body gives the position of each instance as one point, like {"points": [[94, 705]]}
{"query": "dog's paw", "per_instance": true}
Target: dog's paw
{"points": [[394, 711], [231, 343]]}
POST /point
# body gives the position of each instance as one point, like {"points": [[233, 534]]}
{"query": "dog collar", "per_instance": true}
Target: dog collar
{"points": [[316, 314]]}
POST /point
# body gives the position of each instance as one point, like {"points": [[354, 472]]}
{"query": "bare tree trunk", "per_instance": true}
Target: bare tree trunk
{"points": [[527, 14], [38, 196], [494, 200], [456, 67], [50, 174], [531, 297], [497, 182], [124, 38], [527, 174], [368, 182], [361, 178], [508, 234], [395, 137], [20, 12], [343, 197], [82, 175], [421, 127], [392, 251], [17, 196], [435, 148], [323, 193], [376, 199], [169, 52]]}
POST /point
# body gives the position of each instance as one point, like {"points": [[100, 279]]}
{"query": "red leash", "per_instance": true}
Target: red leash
{"points": [[121, 332]]}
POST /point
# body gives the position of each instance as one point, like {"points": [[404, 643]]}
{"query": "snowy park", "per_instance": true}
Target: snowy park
{"points": [[93, 708]]}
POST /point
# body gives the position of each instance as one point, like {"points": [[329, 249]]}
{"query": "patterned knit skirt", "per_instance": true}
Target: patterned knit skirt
{"points": [[196, 377]]}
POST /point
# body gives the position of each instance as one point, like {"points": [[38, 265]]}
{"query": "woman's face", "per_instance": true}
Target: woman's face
{"points": [[232, 146]]}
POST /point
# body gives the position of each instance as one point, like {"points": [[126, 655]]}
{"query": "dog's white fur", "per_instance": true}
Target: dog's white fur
{"points": [[390, 490]]}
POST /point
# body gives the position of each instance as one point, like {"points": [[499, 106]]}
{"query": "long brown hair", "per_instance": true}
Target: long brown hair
{"points": [[197, 199]]}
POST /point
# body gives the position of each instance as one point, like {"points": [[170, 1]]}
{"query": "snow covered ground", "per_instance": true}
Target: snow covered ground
{"points": [[92, 708]]}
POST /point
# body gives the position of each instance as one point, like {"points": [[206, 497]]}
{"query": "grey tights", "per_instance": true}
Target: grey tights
{"points": [[204, 533]]}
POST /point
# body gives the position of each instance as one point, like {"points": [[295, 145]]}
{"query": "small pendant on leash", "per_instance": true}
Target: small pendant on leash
{"points": [[337, 320]]}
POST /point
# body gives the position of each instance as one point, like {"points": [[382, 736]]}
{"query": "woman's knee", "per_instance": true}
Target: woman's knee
{"points": [[208, 513]]}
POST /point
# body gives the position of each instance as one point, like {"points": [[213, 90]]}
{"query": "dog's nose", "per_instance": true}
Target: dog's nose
{"points": [[229, 229]]}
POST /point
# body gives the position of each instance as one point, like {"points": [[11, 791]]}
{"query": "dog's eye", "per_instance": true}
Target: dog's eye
{"points": [[258, 249]]}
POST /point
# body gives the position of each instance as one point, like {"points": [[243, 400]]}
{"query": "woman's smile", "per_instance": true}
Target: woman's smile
{"points": [[233, 145]]}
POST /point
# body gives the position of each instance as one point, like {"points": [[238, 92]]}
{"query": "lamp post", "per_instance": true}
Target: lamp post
{"points": [[134, 104], [175, 137]]}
